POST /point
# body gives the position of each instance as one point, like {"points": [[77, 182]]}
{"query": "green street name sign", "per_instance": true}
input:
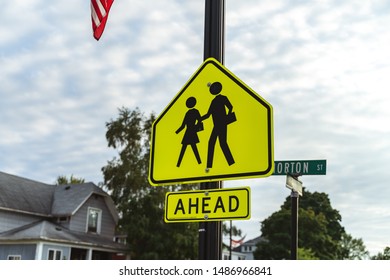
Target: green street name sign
{"points": [[302, 167]]}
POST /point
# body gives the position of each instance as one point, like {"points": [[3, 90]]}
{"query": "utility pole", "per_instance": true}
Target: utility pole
{"points": [[230, 239], [210, 233]]}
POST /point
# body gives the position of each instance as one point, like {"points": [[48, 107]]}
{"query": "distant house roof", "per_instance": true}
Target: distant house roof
{"points": [[45, 230], [28, 196], [251, 242]]}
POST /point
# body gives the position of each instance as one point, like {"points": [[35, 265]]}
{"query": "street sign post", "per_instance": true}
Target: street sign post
{"points": [[215, 128], [301, 167], [207, 205], [293, 169], [294, 184], [296, 188], [210, 234]]}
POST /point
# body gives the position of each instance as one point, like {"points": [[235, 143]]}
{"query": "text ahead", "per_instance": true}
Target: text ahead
{"points": [[208, 205]]}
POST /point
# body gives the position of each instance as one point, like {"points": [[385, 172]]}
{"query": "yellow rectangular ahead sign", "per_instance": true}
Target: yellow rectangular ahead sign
{"points": [[207, 205]]}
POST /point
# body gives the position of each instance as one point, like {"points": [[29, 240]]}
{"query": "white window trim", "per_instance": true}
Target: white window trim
{"points": [[14, 257], [54, 253], [99, 221]]}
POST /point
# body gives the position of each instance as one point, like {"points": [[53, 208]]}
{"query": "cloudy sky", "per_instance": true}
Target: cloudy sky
{"points": [[323, 65]]}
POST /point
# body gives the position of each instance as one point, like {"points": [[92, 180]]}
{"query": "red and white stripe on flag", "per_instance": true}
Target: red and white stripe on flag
{"points": [[99, 14]]}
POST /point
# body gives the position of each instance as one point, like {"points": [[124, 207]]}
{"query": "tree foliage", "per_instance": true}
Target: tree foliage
{"points": [[320, 233], [306, 254], [226, 230], [63, 180], [352, 248], [385, 255], [141, 206]]}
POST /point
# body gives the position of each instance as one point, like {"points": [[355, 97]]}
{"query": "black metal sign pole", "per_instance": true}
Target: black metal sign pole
{"points": [[210, 233], [214, 32], [294, 224]]}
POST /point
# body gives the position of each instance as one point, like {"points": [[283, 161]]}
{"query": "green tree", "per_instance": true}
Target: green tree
{"points": [[320, 203], [382, 256], [276, 233], [63, 180], [352, 249], [320, 233], [226, 230], [140, 205], [306, 254]]}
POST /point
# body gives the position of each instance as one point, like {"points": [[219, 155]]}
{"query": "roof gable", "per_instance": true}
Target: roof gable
{"points": [[69, 198]]}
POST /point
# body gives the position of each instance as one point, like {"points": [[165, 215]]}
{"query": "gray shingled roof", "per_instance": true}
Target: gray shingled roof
{"points": [[24, 195]]}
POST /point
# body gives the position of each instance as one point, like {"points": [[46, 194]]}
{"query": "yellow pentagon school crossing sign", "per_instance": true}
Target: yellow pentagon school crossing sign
{"points": [[207, 205], [215, 128]]}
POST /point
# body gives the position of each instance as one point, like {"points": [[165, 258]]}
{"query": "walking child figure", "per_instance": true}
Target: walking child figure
{"points": [[193, 124]]}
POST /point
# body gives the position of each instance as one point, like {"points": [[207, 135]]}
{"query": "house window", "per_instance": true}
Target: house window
{"points": [[63, 219], [14, 257], [94, 220], [54, 254]]}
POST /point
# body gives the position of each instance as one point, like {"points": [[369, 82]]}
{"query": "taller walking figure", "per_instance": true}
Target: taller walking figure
{"points": [[221, 119]]}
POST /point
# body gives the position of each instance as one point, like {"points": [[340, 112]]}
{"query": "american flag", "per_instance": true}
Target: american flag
{"points": [[99, 14], [236, 243]]}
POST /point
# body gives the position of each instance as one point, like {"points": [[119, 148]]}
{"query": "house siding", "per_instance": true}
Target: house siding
{"points": [[78, 221], [36, 217], [26, 251], [249, 247], [12, 220]]}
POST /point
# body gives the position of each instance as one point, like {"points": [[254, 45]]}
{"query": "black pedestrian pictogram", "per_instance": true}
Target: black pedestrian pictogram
{"points": [[221, 120], [193, 124]]}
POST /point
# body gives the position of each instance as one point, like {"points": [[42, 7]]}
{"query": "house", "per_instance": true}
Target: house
{"points": [[248, 247], [56, 222], [226, 255]]}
